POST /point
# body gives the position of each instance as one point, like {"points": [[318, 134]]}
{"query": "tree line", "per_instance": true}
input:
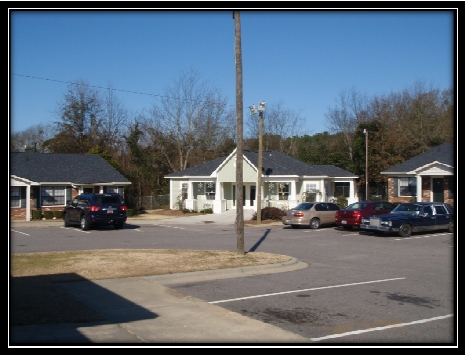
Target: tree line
{"points": [[192, 124]]}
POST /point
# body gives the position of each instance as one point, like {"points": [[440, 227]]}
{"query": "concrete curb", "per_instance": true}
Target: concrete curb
{"points": [[195, 276]]}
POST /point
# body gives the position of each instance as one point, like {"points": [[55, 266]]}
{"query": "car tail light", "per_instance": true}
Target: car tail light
{"points": [[298, 214], [123, 208], [94, 208]]}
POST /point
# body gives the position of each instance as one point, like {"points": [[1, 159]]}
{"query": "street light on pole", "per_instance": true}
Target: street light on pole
{"points": [[253, 112], [367, 188]]}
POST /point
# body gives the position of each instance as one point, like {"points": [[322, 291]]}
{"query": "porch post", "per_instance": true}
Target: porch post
{"points": [[419, 190], [28, 202], [293, 189]]}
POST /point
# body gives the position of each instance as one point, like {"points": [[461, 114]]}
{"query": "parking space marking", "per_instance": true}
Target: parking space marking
{"points": [[77, 230], [381, 328], [168, 226], [19, 232], [423, 236], [305, 290]]}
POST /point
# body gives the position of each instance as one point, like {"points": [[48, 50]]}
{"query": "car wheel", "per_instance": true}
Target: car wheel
{"points": [[67, 224], [450, 227], [84, 223], [405, 230], [295, 226], [118, 225], [315, 223]]}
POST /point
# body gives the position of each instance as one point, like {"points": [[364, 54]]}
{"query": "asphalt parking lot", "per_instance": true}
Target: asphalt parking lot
{"points": [[358, 288]]}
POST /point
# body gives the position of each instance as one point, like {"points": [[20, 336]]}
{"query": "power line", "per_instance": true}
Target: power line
{"points": [[96, 86], [93, 86]]}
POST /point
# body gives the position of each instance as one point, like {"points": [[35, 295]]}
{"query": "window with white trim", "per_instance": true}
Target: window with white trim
{"points": [[210, 190], [283, 192], [184, 191], [408, 186], [52, 195], [310, 187], [310, 192], [342, 189], [15, 196]]}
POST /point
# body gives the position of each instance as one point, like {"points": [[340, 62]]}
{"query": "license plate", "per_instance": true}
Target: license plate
{"points": [[344, 222], [110, 211], [288, 220]]}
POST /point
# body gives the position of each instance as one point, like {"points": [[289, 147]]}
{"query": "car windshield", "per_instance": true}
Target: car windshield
{"points": [[356, 206], [304, 206], [407, 208]]}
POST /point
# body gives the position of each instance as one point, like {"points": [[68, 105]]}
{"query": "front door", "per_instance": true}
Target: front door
{"points": [[234, 195], [252, 194], [438, 190]]}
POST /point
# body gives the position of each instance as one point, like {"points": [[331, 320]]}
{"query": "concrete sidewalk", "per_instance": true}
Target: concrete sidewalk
{"points": [[143, 310]]}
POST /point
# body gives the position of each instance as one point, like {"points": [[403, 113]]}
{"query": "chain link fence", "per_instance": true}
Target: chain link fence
{"points": [[154, 202]]}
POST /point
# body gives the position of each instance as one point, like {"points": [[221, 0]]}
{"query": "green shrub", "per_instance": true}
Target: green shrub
{"points": [[130, 212], [48, 214], [58, 214], [36, 214], [207, 210], [273, 213], [342, 202]]}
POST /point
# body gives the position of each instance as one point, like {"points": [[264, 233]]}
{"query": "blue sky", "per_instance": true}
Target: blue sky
{"points": [[303, 59]]}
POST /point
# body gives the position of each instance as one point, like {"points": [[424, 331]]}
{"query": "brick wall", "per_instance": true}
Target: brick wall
{"points": [[425, 192], [19, 214]]}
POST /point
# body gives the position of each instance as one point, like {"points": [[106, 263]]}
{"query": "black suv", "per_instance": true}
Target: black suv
{"points": [[88, 210]]}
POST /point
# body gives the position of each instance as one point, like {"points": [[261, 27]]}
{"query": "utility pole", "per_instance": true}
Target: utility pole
{"points": [[240, 143], [253, 112], [367, 187], [260, 167]]}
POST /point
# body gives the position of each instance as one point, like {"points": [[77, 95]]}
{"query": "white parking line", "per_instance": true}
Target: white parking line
{"points": [[164, 225], [308, 289], [19, 232], [381, 328], [423, 236], [77, 230]]}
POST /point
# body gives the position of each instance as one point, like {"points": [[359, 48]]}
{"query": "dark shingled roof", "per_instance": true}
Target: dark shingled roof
{"points": [[273, 163], [74, 168], [442, 153]]}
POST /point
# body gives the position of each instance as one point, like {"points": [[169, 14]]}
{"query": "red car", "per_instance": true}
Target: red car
{"points": [[351, 216]]}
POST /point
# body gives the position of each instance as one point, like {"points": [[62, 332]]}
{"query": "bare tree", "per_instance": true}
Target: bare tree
{"points": [[280, 128], [191, 117], [349, 112], [32, 139], [114, 121]]}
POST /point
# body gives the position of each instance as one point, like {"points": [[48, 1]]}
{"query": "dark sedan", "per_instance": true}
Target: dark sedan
{"points": [[408, 218]]}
